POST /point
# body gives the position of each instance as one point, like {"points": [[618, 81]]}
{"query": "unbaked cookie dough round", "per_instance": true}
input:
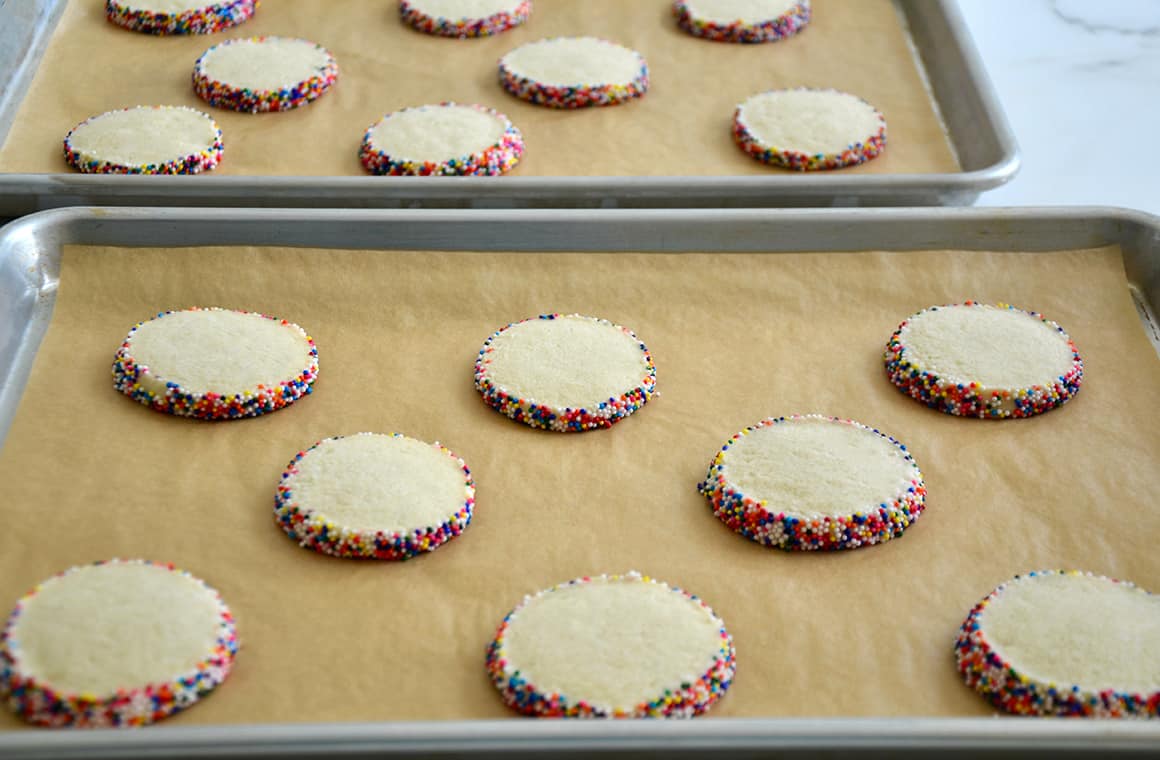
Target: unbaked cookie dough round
{"points": [[742, 20], [375, 496], [264, 74], [118, 643], [215, 364], [565, 372], [145, 140], [809, 482], [1065, 643], [574, 72], [442, 139], [979, 360], [179, 16], [464, 18], [808, 130], [612, 646]]}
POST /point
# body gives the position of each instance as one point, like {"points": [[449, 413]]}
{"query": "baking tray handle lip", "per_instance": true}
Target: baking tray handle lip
{"points": [[516, 736], [676, 186], [1009, 162], [71, 215]]}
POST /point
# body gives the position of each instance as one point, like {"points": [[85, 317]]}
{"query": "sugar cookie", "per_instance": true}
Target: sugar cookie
{"points": [[811, 482], [215, 364], [978, 360], [612, 646]]}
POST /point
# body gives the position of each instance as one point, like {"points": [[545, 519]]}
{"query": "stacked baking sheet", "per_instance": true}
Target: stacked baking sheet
{"points": [[948, 138]]}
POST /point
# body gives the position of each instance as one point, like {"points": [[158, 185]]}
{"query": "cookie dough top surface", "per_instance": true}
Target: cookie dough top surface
{"points": [[1073, 629], [145, 135], [220, 351], [570, 361], [118, 625], [574, 61], [614, 643], [990, 345], [745, 11], [809, 121], [437, 133], [813, 466], [371, 482], [461, 10], [270, 63]]}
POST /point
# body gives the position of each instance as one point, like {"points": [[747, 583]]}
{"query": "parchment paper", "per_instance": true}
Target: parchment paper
{"points": [[88, 474], [682, 127]]}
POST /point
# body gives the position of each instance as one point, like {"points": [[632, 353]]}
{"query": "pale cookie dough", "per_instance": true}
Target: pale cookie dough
{"points": [[742, 20], [375, 496], [574, 72], [809, 482], [978, 360], [264, 74], [442, 139], [1065, 643], [809, 130], [464, 18], [179, 16], [565, 372], [145, 140], [116, 644], [612, 646], [215, 364]]}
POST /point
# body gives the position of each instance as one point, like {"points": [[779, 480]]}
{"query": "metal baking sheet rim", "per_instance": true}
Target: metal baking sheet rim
{"points": [[28, 255], [966, 100]]}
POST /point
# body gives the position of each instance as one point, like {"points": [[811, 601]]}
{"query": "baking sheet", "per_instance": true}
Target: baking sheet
{"points": [[736, 337], [681, 127]]}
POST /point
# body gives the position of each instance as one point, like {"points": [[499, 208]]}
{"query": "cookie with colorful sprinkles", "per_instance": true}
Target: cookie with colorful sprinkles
{"points": [[464, 18], [375, 496], [442, 139], [574, 72], [215, 364], [612, 646], [166, 17], [145, 140], [1064, 643], [120, 643], [986, 361], [809, 482], [807, 129], [565, 373], [261, 74], [745, 21]]}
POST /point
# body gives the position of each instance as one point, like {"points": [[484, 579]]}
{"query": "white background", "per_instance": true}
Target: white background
{"points": [[1079, 81]]}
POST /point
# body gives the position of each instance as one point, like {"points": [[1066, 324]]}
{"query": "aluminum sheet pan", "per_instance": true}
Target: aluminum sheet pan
{"points": [[977, 128], [30, 252]]}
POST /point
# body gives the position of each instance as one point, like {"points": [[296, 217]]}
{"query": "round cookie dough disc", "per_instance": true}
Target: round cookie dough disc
{"points": [[264, 74], [375, 496], [444, 139], [1065, 643], [612, 647], [118, 643], [464, 18], [145, 140], [811, 482], [215, 364], [565, 373], [978, 360], [742, 20], [807, 130], [179, 16], [574, 72]]}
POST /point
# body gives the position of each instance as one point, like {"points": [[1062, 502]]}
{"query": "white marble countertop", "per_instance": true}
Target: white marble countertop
{"points": [[1080, 83]]}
